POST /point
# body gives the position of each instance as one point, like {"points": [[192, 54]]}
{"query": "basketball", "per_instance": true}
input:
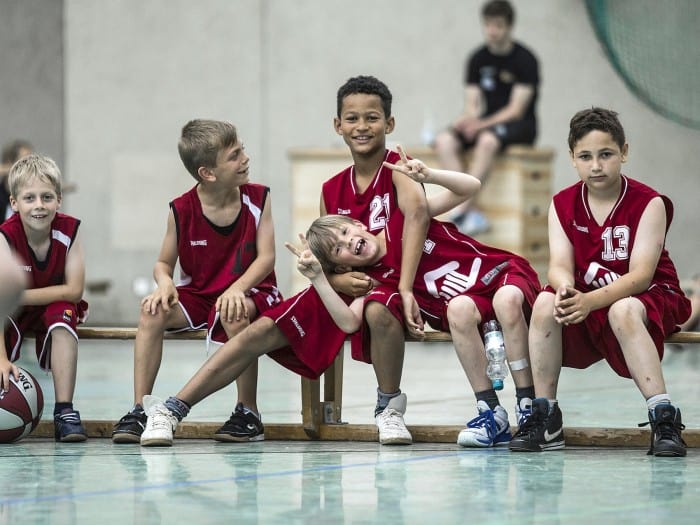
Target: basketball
{"points": [[20, 407]]}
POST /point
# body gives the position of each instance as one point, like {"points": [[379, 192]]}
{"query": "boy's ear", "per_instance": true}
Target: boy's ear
{"points": [[13, 203], [625, 151], [390, 123], [336, 125], [205, 173]]}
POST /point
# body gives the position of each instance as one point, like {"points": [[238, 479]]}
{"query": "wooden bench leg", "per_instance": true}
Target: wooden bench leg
{"points": [[333, 392], [311, 407]]}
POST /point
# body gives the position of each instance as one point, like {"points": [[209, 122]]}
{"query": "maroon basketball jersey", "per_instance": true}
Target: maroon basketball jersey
{"points": [[50, 272], [602, 252], [212, 258], [452, 264], [374, 207]]}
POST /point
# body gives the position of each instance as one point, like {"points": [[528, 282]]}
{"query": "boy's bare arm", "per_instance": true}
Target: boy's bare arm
{"points": [[414, 206], [165, 295], [348, 318], [71, 290]]}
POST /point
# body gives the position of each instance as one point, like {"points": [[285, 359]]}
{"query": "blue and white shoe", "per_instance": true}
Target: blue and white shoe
{"points": [[489, 429], [523, 411]]}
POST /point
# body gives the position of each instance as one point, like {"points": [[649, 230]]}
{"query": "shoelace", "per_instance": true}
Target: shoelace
{"points": [[531, 423], [485, 419], [70, 417], [389, 416], [161, 418]]}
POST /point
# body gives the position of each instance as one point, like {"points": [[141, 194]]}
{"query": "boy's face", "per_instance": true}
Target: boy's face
{"points": [[496, 31], [232, 165], [355, 247], [37, 204], [362, 123], [598, 160]]}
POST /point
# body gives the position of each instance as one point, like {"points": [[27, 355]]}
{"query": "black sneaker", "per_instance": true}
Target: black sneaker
{"points": [[241, 426], [666, 426], [542, 430], [130, 427], [68, 428]]}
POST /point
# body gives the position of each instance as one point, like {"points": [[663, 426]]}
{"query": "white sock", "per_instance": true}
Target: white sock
{"points": [[658, 399]]}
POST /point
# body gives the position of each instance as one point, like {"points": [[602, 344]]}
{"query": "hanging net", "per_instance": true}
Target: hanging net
{"points": [[655, 47]]}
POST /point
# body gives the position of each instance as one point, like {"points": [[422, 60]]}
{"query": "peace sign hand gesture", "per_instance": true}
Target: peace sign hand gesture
{"points": [[413, 168], [307, 263]]}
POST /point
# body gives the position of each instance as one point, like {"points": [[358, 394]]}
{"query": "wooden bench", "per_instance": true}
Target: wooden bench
{"points": [[322, 419]]}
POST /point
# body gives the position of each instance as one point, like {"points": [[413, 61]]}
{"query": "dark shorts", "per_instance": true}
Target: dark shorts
{"points": [[516, 132], [41, 321]]}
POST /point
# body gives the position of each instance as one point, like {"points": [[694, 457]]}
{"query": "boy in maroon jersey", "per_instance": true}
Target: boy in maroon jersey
{"points": [[460, 283], [298, 333], [221, 233], [613, 291], [50, 252]]}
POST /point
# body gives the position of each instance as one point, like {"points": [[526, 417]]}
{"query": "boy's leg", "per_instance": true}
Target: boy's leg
{"points": [[627, 319], [64, 361], [387, 352], [508, 304], [490, 427], [245, 423], [220, 370], [543, 430], [148, 353]]}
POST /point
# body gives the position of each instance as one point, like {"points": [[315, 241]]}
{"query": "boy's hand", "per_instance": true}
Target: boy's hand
{"points": [[162, 297], [411, 312], [354, 284], [307, 263], [232, 305], [6, 369], [413, 168], [570, 306]]}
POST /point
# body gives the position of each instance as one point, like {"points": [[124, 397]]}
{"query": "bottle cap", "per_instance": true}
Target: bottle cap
{"points": [[497, 384]]}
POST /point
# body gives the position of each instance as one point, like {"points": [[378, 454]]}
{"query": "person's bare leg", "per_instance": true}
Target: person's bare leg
{"points": [[148, 348], [508, 305], [545, 342], [231, 360], [64, 364], [387, 346]]}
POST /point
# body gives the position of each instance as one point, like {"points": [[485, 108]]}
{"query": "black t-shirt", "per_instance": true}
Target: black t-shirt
{"points": [[497, 74], [4, 199]]}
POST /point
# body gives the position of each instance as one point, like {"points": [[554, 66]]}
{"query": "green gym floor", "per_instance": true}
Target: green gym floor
{"points": [[288, 482]]}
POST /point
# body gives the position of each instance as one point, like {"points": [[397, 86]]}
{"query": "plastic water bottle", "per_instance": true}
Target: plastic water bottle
{"points": [[497, 370]]}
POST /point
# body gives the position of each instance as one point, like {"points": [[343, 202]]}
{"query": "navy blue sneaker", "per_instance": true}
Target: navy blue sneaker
{"points": [[243, 425], [68, 427], [130, 427]]}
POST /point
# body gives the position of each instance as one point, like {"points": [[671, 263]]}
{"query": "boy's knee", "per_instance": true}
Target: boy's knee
{"points": [[508, 304], [487, 141], [447, 142], [627, 312], [462, 311], [379, 317]]}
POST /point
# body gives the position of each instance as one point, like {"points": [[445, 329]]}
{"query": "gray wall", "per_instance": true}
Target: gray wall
{"points": [[31, 74], [135, 72]]}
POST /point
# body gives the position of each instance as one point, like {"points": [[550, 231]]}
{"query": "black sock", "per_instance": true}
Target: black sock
{"points": [[60, 407], [489, 396], [527, 391]]}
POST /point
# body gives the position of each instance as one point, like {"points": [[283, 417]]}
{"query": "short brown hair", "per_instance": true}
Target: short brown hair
{"points": [[595, 119], [499, 8], [200, 143]]}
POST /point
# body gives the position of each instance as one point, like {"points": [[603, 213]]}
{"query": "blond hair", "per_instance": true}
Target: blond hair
{"points": [[322, 237], [34, 166]]}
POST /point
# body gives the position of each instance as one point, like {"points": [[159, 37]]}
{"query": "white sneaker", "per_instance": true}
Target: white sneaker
{"points": [[392, 429], [161, 423], [489, 429], [523, 411], [474, 223]]}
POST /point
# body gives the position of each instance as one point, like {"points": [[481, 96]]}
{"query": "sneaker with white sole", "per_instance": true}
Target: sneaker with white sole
{"points": [[161, 423], [474, 223], [489, 429], [542, 431], [392, 429], [523, 411]]}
